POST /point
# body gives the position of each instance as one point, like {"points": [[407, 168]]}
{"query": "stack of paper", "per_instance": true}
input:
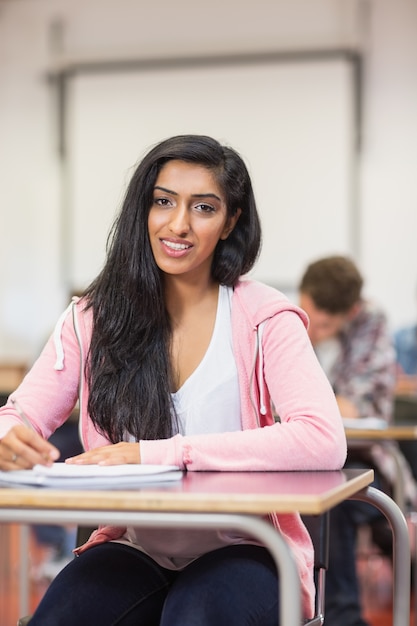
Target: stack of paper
{"points": [[66, 476]]}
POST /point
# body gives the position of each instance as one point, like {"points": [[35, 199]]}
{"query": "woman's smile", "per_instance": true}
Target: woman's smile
{"points": [[176, 248]]}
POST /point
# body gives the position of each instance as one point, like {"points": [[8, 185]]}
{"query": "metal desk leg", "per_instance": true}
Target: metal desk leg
{"points": [[413, 522], [24, 570], [412, 517], [401, 551], [399, 483]]}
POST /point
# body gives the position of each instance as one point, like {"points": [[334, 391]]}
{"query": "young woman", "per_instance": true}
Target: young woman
{"points": [[182, 362]]}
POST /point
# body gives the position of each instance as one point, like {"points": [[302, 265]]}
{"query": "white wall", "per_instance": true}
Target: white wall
{"points": [[389, 185], [31, 279]]}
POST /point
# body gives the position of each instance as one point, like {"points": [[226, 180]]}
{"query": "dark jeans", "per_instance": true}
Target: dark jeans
{"points": [[342, 606], [114, 584]]}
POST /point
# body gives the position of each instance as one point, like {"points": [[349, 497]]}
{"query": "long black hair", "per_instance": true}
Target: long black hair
{"points": [[128, 367]]}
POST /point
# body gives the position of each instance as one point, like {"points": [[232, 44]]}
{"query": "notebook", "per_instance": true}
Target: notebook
{"points": [[68, 476]]}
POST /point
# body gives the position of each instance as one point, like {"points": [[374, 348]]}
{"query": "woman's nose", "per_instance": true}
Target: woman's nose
{"points": [[180, 221]]}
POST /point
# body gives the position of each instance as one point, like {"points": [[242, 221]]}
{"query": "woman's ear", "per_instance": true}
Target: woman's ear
{"points": [[231, 223]]}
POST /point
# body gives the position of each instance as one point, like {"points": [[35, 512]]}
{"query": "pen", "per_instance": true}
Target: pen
{"points": [[22, 414]]}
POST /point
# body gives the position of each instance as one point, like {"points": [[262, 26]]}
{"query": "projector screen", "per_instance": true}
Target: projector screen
{"points": [[292, 122]]}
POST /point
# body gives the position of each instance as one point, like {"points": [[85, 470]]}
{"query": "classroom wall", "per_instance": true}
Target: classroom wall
{"points": [[36, 35]]}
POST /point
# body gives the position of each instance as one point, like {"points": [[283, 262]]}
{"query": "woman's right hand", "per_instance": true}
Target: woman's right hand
{"points": [[22, 448]]}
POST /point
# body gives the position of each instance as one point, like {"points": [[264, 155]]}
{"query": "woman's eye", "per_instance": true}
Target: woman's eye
{"points": [[205, 208], [161, 201]]}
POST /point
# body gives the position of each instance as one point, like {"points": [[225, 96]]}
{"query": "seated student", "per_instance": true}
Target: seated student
{"points": [[182, 361], [353, 344]]}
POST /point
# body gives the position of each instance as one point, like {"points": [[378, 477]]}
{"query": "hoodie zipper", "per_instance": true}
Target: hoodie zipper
{"points": [[257, 367]]}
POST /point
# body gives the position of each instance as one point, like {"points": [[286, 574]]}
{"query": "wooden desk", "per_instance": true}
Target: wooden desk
{"points": [[224, 500], [396, 433]]}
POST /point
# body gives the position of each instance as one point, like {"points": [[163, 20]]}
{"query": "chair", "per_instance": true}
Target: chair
{"points": [[317, 526]]}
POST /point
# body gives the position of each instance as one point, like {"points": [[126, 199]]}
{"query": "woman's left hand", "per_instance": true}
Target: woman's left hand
{"points": [[115, 454]]}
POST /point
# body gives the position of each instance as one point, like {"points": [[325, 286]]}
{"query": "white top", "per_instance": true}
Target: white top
{"points": [[208, 402]]}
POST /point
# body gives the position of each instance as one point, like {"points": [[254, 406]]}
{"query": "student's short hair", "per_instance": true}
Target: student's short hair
{"points": [[333, 283]]}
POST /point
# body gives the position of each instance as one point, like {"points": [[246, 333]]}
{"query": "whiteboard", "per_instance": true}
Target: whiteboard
{"points": [[292, 122]]}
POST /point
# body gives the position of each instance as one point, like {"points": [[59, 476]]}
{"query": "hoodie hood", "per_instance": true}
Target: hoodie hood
{"points": [[260, 302]]}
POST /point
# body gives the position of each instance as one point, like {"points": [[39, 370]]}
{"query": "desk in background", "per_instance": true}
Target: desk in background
{"points": [[396, 433], [225, 500], [389, 436], [11, 375]]}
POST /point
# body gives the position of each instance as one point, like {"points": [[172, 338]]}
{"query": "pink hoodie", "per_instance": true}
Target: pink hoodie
{"points": [[276, 367]]}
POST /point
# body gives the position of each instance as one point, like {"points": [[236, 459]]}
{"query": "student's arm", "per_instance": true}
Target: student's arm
{"points": [[47, 397], [367, 374]]}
